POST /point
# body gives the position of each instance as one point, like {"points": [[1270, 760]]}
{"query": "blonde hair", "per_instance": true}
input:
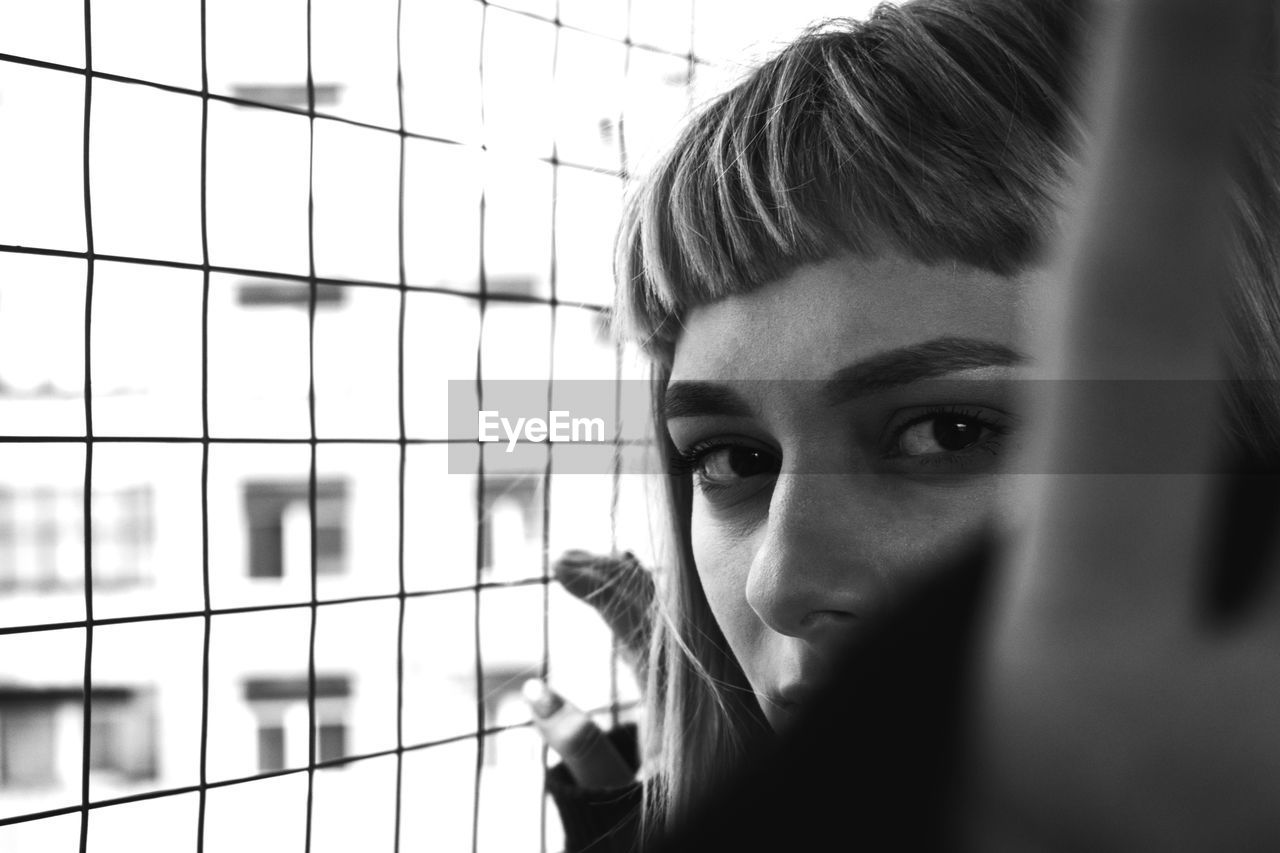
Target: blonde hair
{"points": [[938, 130]]}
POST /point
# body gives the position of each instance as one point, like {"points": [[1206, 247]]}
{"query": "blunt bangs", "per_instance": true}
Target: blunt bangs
{"points": [[938, 130]]}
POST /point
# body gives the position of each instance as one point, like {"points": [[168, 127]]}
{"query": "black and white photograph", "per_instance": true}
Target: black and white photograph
{"points": [[639, 426]]}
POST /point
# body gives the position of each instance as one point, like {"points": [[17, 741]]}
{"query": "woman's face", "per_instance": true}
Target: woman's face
{"points": [[843, 425]]}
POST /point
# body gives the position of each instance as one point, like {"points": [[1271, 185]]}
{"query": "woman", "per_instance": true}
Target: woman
{"points": [[837, 273]]}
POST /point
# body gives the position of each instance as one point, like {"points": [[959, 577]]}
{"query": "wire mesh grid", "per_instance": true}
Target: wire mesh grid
{"points": [[94, 697]]}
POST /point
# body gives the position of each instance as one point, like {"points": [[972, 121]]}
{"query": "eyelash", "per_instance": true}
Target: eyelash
{"points": [[991, 444], [689, 461]]}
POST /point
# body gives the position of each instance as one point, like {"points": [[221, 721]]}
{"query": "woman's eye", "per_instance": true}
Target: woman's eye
{"points": [[728, 464], [940, 435]]}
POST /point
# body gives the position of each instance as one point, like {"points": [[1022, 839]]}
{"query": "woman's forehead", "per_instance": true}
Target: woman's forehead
{"points": [[824, 316]]}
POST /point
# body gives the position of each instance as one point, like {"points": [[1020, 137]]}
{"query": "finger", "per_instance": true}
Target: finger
{"points": [[1126, 435], [592, 760], [617, 586], [1151, 222], [578, 571]]}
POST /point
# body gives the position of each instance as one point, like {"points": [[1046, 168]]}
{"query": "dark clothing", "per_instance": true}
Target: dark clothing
{"points": [[599, 821], [869, 766], [873, 764]]}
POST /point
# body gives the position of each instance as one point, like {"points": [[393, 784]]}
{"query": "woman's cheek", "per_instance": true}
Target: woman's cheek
{"points": [[920, 535], [723, 554]]}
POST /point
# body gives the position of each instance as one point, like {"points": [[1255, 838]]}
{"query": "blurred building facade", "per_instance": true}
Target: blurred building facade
{"points": [[209, 658], [148, 556]]}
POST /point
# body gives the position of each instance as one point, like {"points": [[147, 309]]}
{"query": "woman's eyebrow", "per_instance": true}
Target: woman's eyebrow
{"points": [[882, 371], [690, 399], [925, 360]]}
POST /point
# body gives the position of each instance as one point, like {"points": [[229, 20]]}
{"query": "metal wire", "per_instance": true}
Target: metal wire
{"points": [[400, 411], [314, 603], [342, 761], [202, 797], [87, 719], [483, 273], [311, 421]]}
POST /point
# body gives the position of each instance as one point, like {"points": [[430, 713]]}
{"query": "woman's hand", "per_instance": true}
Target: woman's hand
{"points": [[1111, 713], [621, 591], [592, 760]]}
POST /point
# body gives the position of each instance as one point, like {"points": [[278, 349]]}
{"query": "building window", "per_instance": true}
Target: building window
{"points": [[515, 285], [332, 741], [123, 528], [289, 94], [122, 735], [42, 531], [511, 533], [37, 724], [270, 747], [280, 706], [27, 743], [280, 532], [265, 293]]}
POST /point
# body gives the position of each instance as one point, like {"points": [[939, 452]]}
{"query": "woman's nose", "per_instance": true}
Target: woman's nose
{"points": [[812, 575]]}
